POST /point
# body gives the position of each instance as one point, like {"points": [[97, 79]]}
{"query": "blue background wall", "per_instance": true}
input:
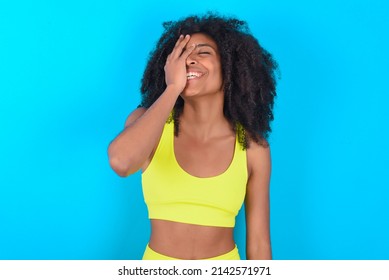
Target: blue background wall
{"points": [[70, 74]]}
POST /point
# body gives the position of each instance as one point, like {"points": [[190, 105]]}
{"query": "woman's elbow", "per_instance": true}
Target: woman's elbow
{"points": [[120, 167]]}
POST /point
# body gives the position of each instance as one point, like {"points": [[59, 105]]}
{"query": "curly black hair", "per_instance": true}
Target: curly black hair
{"points": [[248, 72]]}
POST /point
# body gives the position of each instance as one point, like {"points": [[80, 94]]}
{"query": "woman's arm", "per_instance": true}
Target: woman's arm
{"points": [[257, 203], [134, 146]]}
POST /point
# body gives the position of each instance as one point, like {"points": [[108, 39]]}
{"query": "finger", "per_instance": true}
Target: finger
{"points": [[179, 45], [188, 50], [179, 40], [177, 51], [168, 58]]}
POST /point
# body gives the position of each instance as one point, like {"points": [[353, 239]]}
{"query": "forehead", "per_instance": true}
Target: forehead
{"points": [[202, 40]]}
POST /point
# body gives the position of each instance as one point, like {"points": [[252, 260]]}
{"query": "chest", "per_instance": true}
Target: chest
{"points": [[183, 179], [204, 159]]}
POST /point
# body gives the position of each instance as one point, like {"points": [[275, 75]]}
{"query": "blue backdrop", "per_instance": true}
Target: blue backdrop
{"points": [[70, 74]]}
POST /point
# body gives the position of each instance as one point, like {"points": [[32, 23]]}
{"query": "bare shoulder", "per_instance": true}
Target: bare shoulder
{"points": [[258, 157], [134, 115]]}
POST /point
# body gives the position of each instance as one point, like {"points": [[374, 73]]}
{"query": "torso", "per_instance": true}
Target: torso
{"points": [[188, 241], [204, 159]]}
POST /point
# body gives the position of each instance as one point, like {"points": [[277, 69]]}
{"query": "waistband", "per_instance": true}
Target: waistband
{"points": [[150, 254]]}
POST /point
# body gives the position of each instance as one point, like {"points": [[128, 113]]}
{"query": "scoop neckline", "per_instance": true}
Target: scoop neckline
{"points": [[182, 170]]}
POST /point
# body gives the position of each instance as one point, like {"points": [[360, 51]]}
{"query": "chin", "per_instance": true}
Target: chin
{"points": [[189, 92]]}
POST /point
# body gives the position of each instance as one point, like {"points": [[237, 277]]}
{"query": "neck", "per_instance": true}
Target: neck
{"points": [[203, 117]]}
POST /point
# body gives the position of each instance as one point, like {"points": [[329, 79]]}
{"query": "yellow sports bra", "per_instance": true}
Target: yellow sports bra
{"points": [[174, 195]]}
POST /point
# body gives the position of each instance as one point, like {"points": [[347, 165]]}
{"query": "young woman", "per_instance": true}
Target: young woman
{"points": [[199, 137]]}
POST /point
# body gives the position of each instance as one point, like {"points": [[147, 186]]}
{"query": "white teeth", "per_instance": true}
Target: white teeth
{"points": [[192, 75]]}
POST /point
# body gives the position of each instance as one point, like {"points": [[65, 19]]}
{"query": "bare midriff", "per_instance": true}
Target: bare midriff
{"points": [[187, 241]]}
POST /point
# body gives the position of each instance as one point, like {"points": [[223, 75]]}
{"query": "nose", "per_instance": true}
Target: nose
{"points": [[191, 60]]}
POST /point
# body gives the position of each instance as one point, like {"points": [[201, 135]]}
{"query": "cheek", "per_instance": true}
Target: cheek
{"points": [[218, 75], [216, 70], [216, 80]]}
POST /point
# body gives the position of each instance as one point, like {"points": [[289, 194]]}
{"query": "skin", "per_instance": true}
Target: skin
{"points": [[204, 148]]}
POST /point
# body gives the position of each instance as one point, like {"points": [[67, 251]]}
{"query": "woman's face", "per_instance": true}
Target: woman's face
{"points": [[204, 73]]}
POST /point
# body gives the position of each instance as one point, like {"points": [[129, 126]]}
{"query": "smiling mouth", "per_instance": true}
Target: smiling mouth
{"points": [[193, 75]]}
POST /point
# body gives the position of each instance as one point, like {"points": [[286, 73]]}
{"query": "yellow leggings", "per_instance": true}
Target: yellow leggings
{"points": [[150, 254]]}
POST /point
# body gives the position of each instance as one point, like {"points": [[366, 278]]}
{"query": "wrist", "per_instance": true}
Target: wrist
{"points": [[174, 89]]}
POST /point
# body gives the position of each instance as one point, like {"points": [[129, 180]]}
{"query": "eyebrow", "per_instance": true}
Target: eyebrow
{"points": [[205, 45]]}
